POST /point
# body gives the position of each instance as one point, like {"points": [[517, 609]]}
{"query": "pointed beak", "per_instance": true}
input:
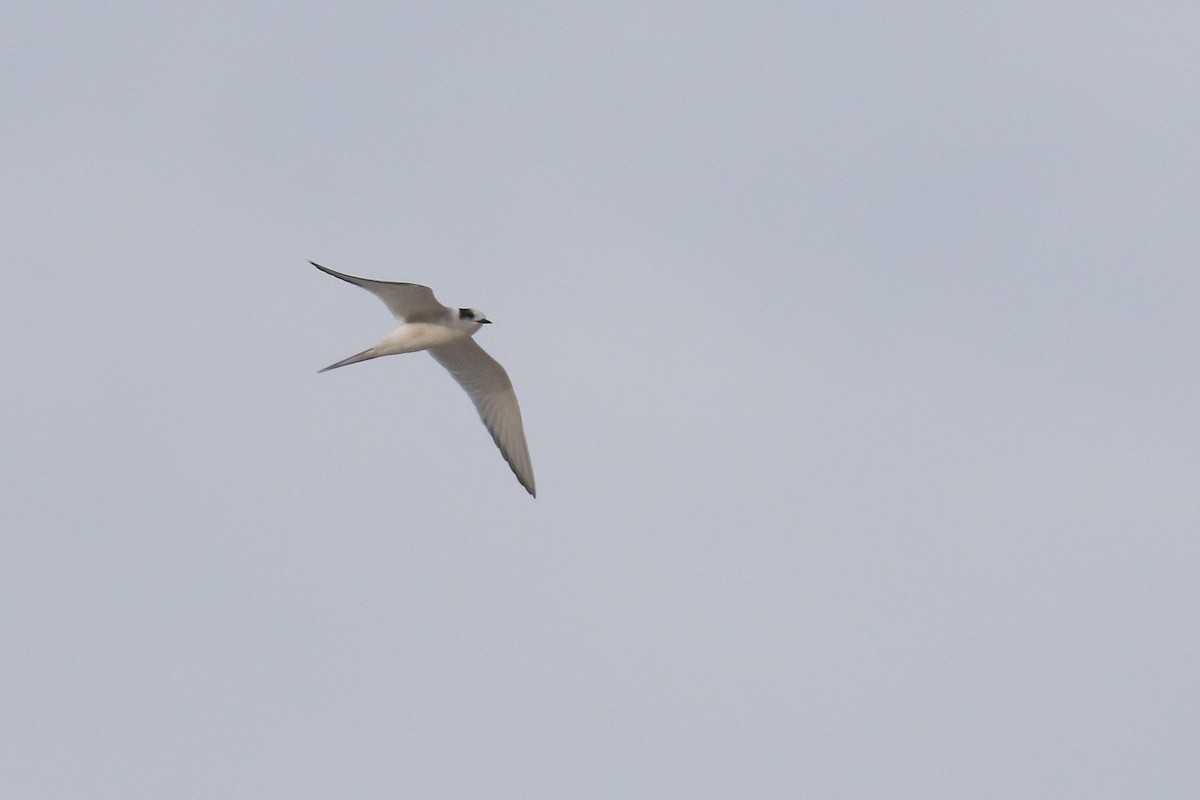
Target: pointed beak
{"points": [[484, 321]]}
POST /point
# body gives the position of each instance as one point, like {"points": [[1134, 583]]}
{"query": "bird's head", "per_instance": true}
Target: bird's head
{"points": [[469, 315]]}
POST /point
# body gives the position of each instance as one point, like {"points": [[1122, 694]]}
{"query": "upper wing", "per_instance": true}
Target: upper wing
{"points": [[410, 302], [486, 382]]}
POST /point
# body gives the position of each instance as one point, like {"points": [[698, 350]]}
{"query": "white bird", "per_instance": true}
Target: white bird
{"points": [[446, 333]]}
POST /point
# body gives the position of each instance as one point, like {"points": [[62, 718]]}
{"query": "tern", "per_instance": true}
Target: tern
{"points": [[446, 333]]}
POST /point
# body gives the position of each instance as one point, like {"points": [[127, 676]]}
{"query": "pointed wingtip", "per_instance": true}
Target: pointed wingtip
{"points": [[328, 271]]}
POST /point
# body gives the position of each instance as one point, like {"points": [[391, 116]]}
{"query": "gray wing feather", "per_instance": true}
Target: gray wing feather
{"points": [[409, 302], [489, 388]]}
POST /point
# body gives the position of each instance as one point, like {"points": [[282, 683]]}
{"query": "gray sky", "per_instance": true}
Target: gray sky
{"points": [[857, 348]]}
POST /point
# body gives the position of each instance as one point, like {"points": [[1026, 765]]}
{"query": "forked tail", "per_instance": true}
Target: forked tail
{"points": [[365, 355]]}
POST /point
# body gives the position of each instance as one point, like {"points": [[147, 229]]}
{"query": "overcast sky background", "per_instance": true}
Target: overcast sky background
{"points": [[857, 347]]}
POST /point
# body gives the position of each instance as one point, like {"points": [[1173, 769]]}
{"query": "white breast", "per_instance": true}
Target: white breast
{"points": [[416, 336]]}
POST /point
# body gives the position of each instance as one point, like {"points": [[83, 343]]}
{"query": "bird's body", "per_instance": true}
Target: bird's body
{"points": [[447, 334], [413, 336]]}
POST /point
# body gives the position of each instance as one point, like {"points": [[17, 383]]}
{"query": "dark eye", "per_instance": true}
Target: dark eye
{"points": [[466, 313]]}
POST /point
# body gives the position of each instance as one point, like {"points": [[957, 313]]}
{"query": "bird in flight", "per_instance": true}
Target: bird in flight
{"points": [[426, 324]]}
